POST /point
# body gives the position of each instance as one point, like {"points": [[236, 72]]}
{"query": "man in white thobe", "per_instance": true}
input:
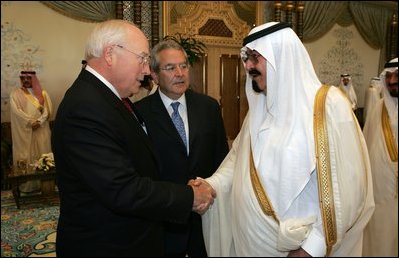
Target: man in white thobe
{"points": [[31, 108], [346, 86], [381, 134], [148, 87], [279, 168], [373, 95]]}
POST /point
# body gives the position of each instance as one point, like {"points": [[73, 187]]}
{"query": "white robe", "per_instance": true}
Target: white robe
{"points": [[350, 93], [143, 92], [236, 226], [381, 234], [373, 95], [29, 144]]}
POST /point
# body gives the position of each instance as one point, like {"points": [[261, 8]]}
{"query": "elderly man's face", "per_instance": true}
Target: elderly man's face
{"points": [[129, 62], [255, 64], [391, 80]]}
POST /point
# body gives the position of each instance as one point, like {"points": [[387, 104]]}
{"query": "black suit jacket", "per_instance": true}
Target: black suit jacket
{"points": [[208, 147], [112, 203]]}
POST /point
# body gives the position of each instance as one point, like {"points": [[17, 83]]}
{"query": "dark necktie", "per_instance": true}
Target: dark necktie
{"points": [[130, 107], [126, 102], [178, 121]]}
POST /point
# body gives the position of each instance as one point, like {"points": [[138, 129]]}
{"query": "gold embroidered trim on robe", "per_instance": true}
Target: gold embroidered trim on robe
{"points": [[33, 99], [388, 135], [260, 193], [46, 98], [323, 166]]}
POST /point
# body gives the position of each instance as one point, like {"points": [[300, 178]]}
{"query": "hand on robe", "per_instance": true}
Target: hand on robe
{"points": [[298, 253], [35, 125]]}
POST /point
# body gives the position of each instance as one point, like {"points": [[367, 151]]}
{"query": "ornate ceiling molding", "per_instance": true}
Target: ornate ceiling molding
{"points": [[192, 22]]}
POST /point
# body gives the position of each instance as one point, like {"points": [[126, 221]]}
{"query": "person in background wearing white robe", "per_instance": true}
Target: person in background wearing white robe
{"points": [[148, 87], [373, 95], [271, 183], [31, 109], [346, 86], [381, 134]]}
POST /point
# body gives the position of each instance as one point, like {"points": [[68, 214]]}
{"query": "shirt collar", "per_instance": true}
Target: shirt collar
{"points": [[167, 101], [103, 80]]}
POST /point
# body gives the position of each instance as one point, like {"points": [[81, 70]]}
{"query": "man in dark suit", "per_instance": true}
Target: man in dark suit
{"points": [[193, 147], [112, 202]]}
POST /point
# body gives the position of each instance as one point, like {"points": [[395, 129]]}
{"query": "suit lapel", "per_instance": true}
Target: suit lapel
{"points": [[192, 116], [118, 105]]}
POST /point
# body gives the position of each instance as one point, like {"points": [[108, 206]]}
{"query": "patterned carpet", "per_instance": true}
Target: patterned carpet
{"points": [[31, 230]]}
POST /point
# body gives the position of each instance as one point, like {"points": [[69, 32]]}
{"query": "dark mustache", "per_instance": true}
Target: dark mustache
{"points": [[254, 72]]}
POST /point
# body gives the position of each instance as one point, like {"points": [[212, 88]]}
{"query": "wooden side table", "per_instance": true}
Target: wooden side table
{"points": [[16, 179]]}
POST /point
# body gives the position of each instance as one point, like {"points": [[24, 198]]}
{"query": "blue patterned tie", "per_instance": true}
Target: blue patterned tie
{"points": [[178, 121]]}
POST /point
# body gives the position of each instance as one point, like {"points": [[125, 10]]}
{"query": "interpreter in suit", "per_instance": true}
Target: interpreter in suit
{"points": [[192, 148], [112, 202]]}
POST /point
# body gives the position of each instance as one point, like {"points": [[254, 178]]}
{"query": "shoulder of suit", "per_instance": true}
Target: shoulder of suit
{"points": [[200, 96], [144, 102], [210, 100]]}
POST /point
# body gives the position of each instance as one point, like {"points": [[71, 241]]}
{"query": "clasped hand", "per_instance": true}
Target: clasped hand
{"points": [[35, 125], [204, 195]]}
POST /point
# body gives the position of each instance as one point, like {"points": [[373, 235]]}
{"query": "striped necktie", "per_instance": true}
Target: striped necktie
{"points": [[178, 122]]}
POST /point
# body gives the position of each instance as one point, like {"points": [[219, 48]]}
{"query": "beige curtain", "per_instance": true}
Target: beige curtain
{"points": [[373, 24], [91, 11], [371, 20], [320, 17]]}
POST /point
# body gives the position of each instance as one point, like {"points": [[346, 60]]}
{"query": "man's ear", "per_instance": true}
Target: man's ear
{"points": [[107, 53]]}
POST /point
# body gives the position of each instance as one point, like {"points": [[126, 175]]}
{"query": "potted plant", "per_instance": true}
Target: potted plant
{"points": [[193, 47]]}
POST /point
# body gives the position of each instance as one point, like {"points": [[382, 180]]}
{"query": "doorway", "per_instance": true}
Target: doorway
{"points": [[230, 93]]}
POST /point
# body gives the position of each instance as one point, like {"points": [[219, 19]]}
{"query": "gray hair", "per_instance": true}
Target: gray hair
{"points": [[163, 45], [107, 33]]}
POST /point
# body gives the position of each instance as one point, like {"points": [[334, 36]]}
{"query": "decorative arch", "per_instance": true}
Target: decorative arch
{"points": [[204, 18]]}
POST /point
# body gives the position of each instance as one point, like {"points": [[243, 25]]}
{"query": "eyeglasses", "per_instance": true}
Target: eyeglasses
{"points": [[171, 68], [142, 59], [253, 57]]}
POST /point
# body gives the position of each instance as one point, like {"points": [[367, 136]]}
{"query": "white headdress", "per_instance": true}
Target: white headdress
{"points": [[375, 82], [348, 89], [281, 122], [390, 102]]}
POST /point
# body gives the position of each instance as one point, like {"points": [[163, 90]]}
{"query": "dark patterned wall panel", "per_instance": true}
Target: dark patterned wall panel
{"points": [[215, 27], [155, 22]]}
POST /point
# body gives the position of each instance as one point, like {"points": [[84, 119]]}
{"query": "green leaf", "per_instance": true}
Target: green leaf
{"points": [[193, 47]]}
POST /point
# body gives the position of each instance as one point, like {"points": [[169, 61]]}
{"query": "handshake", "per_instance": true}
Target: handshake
{"points": [[204, 195]]}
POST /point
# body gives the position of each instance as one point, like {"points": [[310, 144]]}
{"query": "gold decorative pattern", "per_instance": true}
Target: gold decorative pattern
{"points": [[300, 6], [190, 23], [33, 99], [215, 27], [324, 180], [260, 193], [388, 135], [181, 8], [393, 37], [277, 11]]}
